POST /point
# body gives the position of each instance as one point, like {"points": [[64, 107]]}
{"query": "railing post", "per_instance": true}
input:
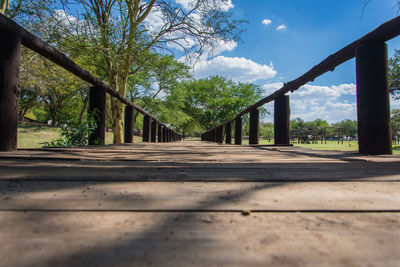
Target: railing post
{"points": [[169, 135], [97, 112], [10, 56], [373, 106], [238, 131], [164, 134], [228, 133], [159, 133], [220, 134], [214, 135], [281, 120], [254, 130], [146, 128], [129, 123], [153, 131]]}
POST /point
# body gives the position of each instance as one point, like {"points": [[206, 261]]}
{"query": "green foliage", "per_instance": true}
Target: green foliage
{"points": [[348, 127], [395, 121], [214, 100], [319, 126], [267, 130], [74, 133], [394, 74]]}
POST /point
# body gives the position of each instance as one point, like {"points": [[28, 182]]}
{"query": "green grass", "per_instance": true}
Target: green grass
{"points": [[332, 145], [31, 136], [35, 135]]}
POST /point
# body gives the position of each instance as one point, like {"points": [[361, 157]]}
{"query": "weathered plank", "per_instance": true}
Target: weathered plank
{"points": [[200, 196], [199, 239], [100, 206]]}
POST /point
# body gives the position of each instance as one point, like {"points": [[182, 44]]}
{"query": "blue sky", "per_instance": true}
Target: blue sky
{"points": [[283, 40], [295, 36]]}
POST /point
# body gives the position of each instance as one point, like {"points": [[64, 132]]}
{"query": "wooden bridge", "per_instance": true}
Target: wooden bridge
{"points": [[201, 203], [198, 204]]}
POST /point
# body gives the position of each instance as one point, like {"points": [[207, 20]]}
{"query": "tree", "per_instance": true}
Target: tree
{"points": [[214, 100], [121, 32], [394, 74], [166, 97], [42, 80], [348, 127], [267, 130], [396, 122]]}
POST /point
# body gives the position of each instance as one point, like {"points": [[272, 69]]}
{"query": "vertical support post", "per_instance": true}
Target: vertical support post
{"points": [[159, 133], [214, 135], [238, 131], [164, 134], [281, 120], [129, 123], [373, 106], [153, 131], [220, 134], [10, 56], [146, 128], [169, 133], [254, 130], [97, 112], [228, 133]]}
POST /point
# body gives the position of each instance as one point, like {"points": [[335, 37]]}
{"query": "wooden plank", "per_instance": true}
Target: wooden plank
{"points": [[199, 239], [200, 196]]}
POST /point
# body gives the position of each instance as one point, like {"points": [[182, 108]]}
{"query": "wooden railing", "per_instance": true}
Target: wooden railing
{"points": [[374, 127], [12, 36]]}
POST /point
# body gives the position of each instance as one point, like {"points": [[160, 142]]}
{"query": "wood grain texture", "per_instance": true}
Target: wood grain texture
{"points": [[197, 204]]}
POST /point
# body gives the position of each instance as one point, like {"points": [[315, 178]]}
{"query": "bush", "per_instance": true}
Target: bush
{"points": [[74, 134]]}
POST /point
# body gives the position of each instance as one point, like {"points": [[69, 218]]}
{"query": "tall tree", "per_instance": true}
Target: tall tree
{"points": [[394, 74], [122, 31], [215, 100]]}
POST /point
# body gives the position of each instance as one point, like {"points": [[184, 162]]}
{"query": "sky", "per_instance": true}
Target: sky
{"points": [[285, 38]]}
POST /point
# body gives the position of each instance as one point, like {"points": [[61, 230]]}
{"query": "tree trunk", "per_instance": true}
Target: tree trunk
{"points": [[118, 112], [85, 102], [3, 6]]}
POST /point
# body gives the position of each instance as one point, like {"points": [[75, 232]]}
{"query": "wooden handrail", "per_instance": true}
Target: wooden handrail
{"points": [[383, 33], [41, 47]]}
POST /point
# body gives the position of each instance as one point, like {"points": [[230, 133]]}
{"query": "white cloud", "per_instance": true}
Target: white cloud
{"points": [[266, 22], [179, 40], [236, 68], [223, 5], [281, 27], [327, 92], [269, 88], [154, 21], [332, 103]]}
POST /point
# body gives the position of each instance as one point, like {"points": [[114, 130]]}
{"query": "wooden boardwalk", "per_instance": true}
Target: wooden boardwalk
{"points": [[187, 203]]}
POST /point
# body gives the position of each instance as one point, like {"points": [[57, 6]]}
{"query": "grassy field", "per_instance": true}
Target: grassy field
{"points": [[34, 136], [30, 136], [330, 145]]}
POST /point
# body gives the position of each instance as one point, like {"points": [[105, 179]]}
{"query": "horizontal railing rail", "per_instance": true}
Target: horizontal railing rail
{"points": [[39, 46], [382, 34]]}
